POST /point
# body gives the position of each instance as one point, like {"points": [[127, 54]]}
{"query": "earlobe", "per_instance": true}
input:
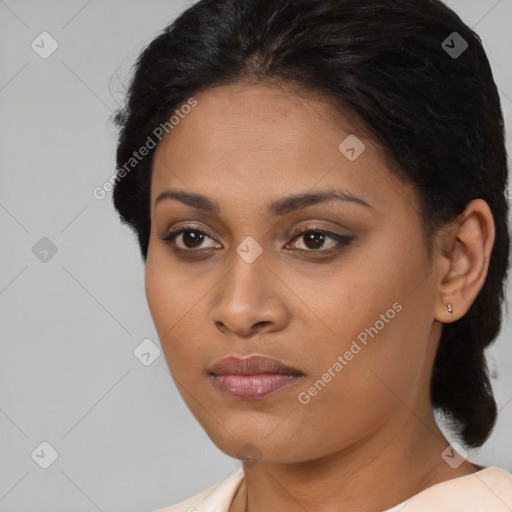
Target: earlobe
{"points": [[466, 261]]}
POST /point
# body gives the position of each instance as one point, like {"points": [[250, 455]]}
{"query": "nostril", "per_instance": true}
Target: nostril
{"points": [[264, 322]]}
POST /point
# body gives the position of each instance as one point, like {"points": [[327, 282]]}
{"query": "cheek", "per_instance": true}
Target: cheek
{"points": [[155, 281], [166, 294], [377, 327], [165, 302], [176, 316]]}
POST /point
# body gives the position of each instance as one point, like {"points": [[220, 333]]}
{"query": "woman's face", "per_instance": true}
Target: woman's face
{"points": [[353, 315]]}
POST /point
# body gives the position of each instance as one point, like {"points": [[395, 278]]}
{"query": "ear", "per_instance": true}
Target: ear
{"points": [[463, 256]]}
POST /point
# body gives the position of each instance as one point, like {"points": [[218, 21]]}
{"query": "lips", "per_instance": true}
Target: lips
{"points": [[252, 377], [252, 365]]}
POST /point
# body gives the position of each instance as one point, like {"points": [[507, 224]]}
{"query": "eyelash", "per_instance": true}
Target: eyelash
{"points": [[343, 240]]}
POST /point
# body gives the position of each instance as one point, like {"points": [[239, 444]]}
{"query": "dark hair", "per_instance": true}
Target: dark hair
{"points": [[436, 116]]}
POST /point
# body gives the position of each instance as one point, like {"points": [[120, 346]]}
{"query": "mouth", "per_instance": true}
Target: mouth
{"points": [[252, 377]]}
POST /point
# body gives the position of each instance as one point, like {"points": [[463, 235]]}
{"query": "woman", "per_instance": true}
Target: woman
{"points": [[318, 190]]}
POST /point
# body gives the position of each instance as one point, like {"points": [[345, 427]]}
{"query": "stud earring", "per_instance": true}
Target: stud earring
{"points": [[450, 310]]}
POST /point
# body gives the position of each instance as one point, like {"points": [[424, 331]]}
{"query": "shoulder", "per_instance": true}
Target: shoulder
{"points": [[217, 497], [489, 489]]}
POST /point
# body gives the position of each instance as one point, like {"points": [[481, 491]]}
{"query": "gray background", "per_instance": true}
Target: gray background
{"points": [[69, 326]]}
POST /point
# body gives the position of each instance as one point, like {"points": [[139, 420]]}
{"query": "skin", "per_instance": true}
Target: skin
{"points": [[372, 426]]}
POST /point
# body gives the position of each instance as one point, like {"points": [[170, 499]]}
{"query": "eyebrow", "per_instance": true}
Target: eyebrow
{"points": [[279, 207]]}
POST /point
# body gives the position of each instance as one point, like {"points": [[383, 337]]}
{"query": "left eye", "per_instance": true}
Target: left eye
{"points": [[192, 238], [317, 237]]}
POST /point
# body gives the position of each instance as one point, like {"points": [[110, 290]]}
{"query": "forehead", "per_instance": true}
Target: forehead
{"points": [[244, 111], [260, 139]]}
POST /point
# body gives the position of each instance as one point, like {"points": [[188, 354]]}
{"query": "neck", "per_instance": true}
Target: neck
{"points": [[363, 477]]}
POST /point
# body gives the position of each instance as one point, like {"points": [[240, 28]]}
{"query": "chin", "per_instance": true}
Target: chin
{"points": [[256, 445]]}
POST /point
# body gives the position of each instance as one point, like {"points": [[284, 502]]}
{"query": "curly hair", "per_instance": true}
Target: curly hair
{"points": [[436, 115]]}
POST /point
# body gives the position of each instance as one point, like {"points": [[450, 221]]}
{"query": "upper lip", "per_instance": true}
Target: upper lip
{"points": [[252, 365]]}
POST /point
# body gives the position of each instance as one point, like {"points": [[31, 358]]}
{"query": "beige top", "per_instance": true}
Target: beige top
{"points": [[487, 490]]}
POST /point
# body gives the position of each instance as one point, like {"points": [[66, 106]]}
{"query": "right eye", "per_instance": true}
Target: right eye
{"points": [[191, 237]]}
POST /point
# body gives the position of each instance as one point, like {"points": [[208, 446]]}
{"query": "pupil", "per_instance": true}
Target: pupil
{"points": [[311, 237], [190, 236]]}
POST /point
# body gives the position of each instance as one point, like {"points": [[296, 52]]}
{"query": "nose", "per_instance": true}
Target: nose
{"points": [[250, 300]]}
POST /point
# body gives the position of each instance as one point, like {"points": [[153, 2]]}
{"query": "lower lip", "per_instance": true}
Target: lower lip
{"points": [[253, 386]]}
